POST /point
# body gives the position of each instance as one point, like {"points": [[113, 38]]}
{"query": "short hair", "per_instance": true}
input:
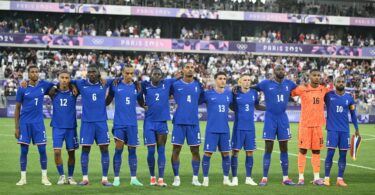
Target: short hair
{"points": [[63, 72], [339, 77], [185, 64], [93, 66], [220, 73], [314, 70], [245, 74], [31, 67], [156, 69]]}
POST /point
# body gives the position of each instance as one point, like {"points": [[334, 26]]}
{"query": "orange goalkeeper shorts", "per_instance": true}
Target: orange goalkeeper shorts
{"points": [[310, 138]]}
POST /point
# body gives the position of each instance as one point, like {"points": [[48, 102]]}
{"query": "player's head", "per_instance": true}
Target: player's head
{"points": [[33, 73], [93, 73], [64, 77], [156, 75], [188, 69], [128, 73], [279, 71], [220, 79], [245, 81], [315, 76], [340, 83]]}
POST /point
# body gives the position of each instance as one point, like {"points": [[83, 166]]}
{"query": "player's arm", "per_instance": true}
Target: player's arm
{"points": [[297, 91], [354, 118], [140, 98], [17, 111], [110, 96], [52, 92], [258, 106]]}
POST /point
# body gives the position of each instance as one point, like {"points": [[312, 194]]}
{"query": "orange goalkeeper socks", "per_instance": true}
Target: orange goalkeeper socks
{"points": [[301, 163], [315, 161]]}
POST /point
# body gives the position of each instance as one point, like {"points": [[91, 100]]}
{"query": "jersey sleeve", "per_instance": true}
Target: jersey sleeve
{"points": [[111, 91], [78, 83], [297, 91], [256, 98], [292, 85], [326, 99], [261, 86], [109, 82], [230, 97], [47, 86], [19, 94]]}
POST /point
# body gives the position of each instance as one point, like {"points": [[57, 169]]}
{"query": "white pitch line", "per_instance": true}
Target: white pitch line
{"points": [[322, 159], [368, 139]]}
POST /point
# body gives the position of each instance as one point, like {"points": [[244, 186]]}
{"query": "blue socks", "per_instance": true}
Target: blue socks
{"points": [[266, 164], [342, 163], [85, 162], [70, 170], [225, 164], [328, 162], [132, 160], [234, 165], [60, 169], [105, 162], [284, 162], [161, 161], [206, 165], [117, 160], [249, 165], [176, 167], [195, 165], [151, 160], [43, 156], [23, 156]]}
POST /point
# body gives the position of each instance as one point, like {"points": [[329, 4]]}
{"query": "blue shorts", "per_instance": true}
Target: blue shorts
{"points": [[214, 140], [127, 134], [338, 139], [91, 131], [276, 125], [190, 132], [35, 132], [69, 135], [151, 128], [243, 138]]}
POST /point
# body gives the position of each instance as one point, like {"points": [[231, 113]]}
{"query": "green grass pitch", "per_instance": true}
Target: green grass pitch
{"points": [[359, 175]]}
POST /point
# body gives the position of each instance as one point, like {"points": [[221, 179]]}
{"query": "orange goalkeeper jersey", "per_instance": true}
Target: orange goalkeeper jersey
{"points": [[312, 105]]}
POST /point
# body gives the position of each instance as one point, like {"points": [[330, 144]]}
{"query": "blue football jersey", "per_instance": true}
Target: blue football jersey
{"points": [[217, 110], [93, 100], [338, 108], [125, 104], [31, 99], [243, 104], [157, 99], [276, 94], [187, 97], [64, 110]]}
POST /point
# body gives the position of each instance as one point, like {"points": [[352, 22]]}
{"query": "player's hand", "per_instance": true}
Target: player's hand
{"points": [[17, 133], [357, 133], [178, 74], [24, 84], [145, 107], [103, 82], [235, 89], [75, 90], [116, 81]]}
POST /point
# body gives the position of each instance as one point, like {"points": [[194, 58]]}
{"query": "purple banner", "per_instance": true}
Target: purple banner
{"points": [[368, 51], [241, 46], [58, 7], [197, 45], [331, 50], [144, 44], [41, 39], [134, 43], [265, 16], [356, 21], [153, 11]]}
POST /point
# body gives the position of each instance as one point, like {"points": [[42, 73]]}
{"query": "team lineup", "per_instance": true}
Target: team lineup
{"points": [[188, 93]]}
